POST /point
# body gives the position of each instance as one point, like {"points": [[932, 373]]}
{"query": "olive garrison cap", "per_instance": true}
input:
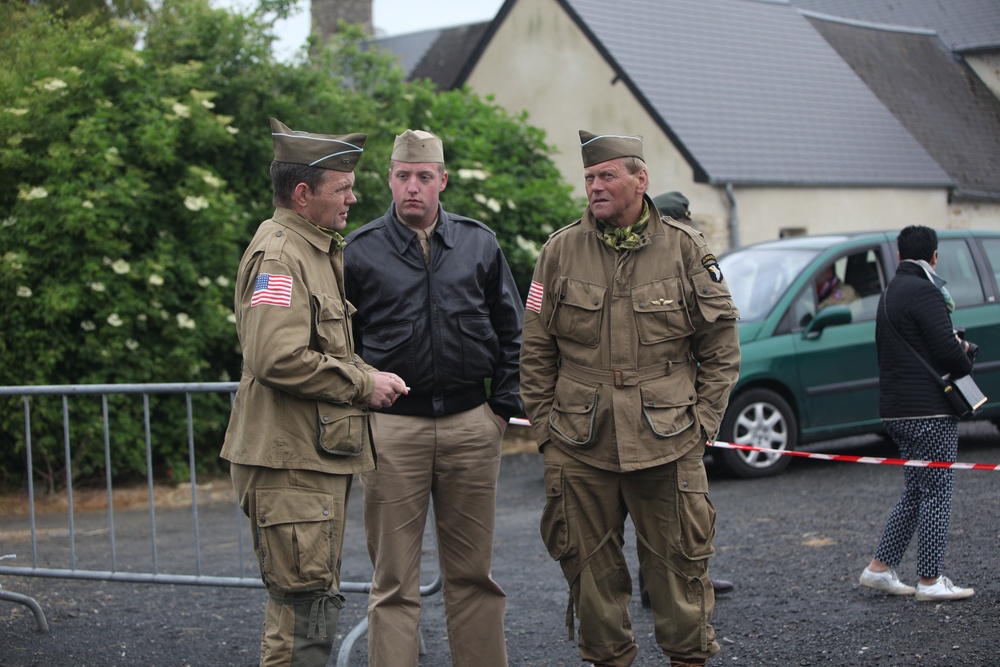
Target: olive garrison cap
{"points": [[417, 146], [601, 148], [673, 204], [327, 151]]}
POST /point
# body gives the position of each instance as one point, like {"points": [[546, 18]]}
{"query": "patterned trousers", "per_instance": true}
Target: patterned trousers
{"points": [[924, 507]]}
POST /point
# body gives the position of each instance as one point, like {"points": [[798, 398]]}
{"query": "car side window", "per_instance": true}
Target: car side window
{"points": [[992, 248], [955, 264], [855, 280]]}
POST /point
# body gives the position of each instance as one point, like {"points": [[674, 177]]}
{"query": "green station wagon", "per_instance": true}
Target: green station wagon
{"points": [[811, 373]]}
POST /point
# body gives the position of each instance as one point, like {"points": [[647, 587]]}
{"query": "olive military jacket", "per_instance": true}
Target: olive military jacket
{"points": [[628, 358], [303, 394]]}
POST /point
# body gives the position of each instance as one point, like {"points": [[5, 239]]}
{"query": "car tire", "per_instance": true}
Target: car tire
{"points": [[762, 418]]}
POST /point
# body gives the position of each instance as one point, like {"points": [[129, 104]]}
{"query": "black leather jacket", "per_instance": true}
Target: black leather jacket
{"points": [[919, 315], [445, 330]]}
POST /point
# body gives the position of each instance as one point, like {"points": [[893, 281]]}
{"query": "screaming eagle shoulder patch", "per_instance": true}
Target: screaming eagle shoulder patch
{"points": [[712, 265]]}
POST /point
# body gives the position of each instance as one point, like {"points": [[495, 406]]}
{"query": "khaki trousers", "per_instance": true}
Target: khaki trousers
{"points": [[583, 529], [298, 519], [454, 460]]}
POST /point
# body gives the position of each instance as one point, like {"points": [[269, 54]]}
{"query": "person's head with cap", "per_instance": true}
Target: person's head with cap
{"points": [[615, 175], [417, 177], [313, 174], [673, 204]]}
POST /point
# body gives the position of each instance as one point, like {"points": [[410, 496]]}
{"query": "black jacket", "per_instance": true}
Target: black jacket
{"points": [[918, 312], [446, 330]]}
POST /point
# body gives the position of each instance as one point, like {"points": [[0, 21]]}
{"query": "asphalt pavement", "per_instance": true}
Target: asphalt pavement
{"points": [[794, 545]]}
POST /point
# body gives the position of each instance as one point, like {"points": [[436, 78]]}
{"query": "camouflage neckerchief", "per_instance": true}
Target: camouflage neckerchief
{"points": [[626, 238], [338, 240]]}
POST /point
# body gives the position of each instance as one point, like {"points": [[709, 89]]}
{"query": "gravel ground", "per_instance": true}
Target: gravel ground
{"points": [[794, 545]]}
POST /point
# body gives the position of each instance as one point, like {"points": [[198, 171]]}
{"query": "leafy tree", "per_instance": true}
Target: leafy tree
{"points": [[132, 177]]}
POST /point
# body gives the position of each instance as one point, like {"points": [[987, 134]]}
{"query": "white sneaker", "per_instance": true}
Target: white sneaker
{"points": [[885, 581], [943, 589]]}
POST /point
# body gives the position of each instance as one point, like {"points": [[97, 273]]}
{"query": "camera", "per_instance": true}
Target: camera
{"points": [[973, 349]]}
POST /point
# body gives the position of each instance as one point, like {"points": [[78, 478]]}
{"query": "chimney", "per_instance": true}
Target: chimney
{"points": [[326, 14]]}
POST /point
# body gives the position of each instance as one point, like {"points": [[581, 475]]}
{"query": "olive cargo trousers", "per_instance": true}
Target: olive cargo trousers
{"points": [[583, 529], [298, 519]]}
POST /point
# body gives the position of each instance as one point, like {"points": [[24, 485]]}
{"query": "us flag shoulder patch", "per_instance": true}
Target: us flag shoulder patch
{"points": [[534, 301], [272, 290]]}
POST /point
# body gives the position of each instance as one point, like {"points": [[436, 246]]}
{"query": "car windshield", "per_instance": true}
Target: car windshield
{"points": [[757, 277]]}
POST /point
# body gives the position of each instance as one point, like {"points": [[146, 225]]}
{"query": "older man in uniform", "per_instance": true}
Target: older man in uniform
{"points": [[299, 425], [629, 352]]}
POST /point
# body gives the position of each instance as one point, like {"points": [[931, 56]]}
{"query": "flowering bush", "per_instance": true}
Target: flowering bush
{"points": [[132, 177]]}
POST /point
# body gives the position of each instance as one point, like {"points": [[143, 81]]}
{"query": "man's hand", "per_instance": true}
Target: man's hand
{"points": [[388, 387]]}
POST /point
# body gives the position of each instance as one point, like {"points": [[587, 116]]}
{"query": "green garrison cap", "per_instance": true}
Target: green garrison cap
{"points": [[417, 146], [673, 204], [340, 153], [601, 148]]}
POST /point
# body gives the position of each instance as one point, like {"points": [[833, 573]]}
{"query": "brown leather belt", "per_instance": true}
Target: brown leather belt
{"points": [[619, 377]]}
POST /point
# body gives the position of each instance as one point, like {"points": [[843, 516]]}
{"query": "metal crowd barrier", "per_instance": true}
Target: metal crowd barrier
{"points": [[66, 561]]}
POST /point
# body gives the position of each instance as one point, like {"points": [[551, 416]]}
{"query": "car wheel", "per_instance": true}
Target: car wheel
{"points": [[762, 418]]}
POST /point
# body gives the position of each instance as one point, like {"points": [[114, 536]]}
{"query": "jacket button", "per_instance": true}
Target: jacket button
{"points": [[326, 512], [684, 484], [279, 233], [262, 519], [596, 302], [642, 304], [326, 420]]}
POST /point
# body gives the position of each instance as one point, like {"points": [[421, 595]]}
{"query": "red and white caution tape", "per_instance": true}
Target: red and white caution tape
{"points": [[877, 460], [958, 465]]}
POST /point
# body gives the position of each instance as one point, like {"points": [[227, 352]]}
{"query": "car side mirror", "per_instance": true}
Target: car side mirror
{"points": [[830, 316]]}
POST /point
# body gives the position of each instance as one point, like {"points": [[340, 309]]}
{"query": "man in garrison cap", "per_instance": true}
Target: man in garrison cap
{"points": [[437, 304], [299, 426], [628, 355]]}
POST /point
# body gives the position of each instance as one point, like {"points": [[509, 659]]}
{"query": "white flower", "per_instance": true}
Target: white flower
{"points": [[24, 291], [222, 281], [112, 157], [204, 281], [479, 197], [120, 266], [34, 193], [131, 344], [115, 320], [208, 104], [87, 325], [195, 203], [53, 84], [164, 315], [213, 181], [97, 287], [231, 318], [16, 112], [155, 280], [184, 321], [10, 222], [181, 110], [511, 205], [86, 203], [141, 317], [232, 130], [472, 174], [493, 205]]}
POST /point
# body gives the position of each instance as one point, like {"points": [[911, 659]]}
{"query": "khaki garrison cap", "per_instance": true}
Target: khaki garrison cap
{"points": [[340, 153], [604, 147], [417, 146]]}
